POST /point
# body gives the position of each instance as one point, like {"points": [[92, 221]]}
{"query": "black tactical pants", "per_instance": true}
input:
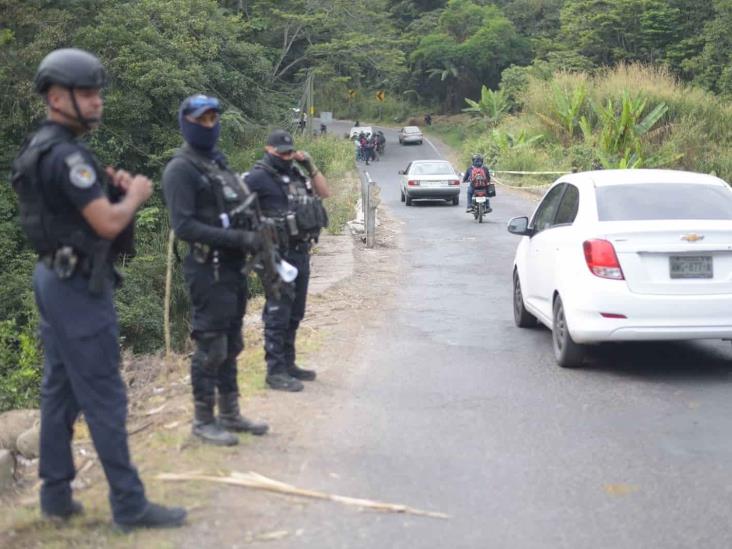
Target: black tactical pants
{"points": [[81, 374], [218, 306], [282, 317]]}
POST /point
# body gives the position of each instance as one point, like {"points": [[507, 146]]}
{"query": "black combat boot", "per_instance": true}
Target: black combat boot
{"points": [[284, 382], [155, 516], [207, 429], [73, 509], [301, 373], [230, 417]]}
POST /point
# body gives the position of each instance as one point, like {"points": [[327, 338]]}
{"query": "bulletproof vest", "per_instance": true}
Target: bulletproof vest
{"points": [[225, 193], [46, 228], [304, 205]]}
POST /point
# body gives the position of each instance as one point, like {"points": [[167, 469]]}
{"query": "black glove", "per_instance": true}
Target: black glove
{"points": [[251, 241], [309, 165]]}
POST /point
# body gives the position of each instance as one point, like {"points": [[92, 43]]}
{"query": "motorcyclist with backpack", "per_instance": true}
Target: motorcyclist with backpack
{"points": [[477, 175]]}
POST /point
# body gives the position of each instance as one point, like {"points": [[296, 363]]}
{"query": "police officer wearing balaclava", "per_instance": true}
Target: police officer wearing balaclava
{"points": [[77, 223], [292, 197], [201, 192]]}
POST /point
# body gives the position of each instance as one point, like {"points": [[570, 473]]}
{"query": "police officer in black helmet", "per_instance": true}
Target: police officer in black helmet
{"points": [[290, 193], [201, 193], [66, 212]]}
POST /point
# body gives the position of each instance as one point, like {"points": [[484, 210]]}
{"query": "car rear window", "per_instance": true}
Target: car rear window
{"points": [[432, 169], [656, 201], [411, 129]]}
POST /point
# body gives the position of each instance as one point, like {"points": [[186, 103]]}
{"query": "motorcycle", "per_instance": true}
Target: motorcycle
{"points": [[480, 201]]}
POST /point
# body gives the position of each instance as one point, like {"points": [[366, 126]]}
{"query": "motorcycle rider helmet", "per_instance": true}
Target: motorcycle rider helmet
{"points": [[477, 160]]}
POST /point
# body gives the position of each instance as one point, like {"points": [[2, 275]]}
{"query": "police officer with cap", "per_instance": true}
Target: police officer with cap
{"points": [[202, 193], [70, 220], [292, 197]]}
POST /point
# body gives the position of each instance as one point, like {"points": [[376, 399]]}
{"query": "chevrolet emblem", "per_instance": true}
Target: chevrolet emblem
{"points": [[693, 237]]}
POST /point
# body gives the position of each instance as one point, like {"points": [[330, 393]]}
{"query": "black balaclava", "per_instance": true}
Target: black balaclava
{"points": [[199, 137], [280, 164]]}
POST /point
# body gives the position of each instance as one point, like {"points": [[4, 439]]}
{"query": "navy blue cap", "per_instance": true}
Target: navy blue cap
{"points": [[281, 140], [196, 105]]}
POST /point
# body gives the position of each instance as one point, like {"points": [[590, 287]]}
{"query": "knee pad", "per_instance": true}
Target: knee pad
{"points": [[212, 347]]}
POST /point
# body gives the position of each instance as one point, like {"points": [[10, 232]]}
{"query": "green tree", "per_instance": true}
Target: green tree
{"points": [[713, 66], [478, 41]]}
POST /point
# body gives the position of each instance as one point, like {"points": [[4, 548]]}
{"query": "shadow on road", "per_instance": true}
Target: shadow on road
{"points": [[426, 202], [692, 361], [671, 360]]}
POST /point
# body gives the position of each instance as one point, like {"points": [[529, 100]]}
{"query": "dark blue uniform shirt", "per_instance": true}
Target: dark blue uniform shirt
{"points": [[69, 176], [272, 194]]}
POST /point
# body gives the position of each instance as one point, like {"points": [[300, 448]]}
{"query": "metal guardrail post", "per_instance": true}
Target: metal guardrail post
{"points": [[370, 201]]}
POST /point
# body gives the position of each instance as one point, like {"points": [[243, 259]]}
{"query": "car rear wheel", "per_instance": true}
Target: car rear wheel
{"points": [[407, 199], [567, 353], [521, 317], [419, 143], [455, 200]]}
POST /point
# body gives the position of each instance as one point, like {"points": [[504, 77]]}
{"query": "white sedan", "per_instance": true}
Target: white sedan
{"points": [[430, 179], [626, 255]]}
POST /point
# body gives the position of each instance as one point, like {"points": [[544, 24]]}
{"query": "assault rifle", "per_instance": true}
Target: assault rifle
{"points": [[266, 260]]}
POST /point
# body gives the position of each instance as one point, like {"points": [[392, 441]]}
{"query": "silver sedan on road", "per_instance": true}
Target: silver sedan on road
{"points": [[430, 179], [410, 134]]}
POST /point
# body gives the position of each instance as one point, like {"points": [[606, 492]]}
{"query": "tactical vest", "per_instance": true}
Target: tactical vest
{"points": [[47, 230], [304, 206], [228, 202]]}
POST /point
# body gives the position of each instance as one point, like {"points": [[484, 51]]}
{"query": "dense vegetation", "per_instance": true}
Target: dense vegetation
{"points": [[540, 76]]}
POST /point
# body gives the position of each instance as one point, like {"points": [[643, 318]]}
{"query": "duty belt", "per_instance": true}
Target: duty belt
{"points": [[65, 261]]}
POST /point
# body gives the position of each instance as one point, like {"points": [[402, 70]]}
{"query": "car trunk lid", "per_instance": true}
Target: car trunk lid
{"points": [[677, 257]]}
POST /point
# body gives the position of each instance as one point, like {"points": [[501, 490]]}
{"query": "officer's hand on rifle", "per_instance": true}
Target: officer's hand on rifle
{"points": [[251, 241]]}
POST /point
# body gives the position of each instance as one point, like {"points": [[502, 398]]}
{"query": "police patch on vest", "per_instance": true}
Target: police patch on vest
{"points": [[82, 176]]}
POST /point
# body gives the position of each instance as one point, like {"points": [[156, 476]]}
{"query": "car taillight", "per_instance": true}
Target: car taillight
{"points": [[602, 260], [413, 183], [454, 182]]}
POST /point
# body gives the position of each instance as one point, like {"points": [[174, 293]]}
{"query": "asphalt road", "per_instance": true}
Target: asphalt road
{"points": [[459, 411]]}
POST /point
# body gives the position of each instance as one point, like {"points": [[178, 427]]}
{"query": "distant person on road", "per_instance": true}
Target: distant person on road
{"points": [[428, 119], [476, 174], [380, 142], [363, 147], [290, 189]]}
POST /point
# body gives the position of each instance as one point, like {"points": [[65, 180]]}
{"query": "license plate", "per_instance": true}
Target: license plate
{"points": [[480, 199], [691, 266], [433, 183]]}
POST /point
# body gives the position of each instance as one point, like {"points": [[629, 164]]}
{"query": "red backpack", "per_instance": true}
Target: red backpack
{"points": [[478, 177]]}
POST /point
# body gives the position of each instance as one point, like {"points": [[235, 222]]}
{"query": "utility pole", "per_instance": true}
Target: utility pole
{"points": [[309, 101]]}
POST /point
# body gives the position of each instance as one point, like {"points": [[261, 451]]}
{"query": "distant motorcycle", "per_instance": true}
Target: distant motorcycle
{"points": [[482, 190], [380, 143]]}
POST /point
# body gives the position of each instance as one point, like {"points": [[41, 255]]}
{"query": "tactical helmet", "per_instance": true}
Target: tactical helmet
{"points": [[70, 68]]}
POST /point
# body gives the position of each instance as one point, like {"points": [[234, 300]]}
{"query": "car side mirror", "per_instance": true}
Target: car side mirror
{"points": [[520, 226], [401, 172]]}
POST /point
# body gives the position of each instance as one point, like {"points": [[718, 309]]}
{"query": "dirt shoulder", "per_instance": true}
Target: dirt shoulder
{"points": [[349, 286]]}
